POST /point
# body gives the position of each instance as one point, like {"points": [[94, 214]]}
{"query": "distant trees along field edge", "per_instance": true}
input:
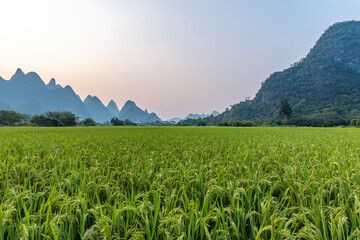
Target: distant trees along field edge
{"points": [[53, 119]]}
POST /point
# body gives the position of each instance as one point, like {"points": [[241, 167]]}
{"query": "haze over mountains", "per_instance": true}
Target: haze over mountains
{"points": [[27, 93], [193, 116]]}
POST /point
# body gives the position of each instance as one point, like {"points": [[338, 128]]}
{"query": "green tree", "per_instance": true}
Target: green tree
{"points": [[10, 118], [61, 118], [35, 119], [116, 122], [89, 122], [353, 122], [285, 110], [54, 119], [358, 123], [129, 123], [201, 123]]}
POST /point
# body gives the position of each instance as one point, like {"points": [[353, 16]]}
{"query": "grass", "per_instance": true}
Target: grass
{"points": [[179, 183]]}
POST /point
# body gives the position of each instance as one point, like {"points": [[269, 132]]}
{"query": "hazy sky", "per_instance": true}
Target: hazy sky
{"points": [[171, 57]]}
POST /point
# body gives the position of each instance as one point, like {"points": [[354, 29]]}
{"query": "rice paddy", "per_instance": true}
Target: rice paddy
{"points": [[179, 183]]}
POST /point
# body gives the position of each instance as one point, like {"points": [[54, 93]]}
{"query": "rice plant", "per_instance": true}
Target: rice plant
{"points": [[179, 183]]}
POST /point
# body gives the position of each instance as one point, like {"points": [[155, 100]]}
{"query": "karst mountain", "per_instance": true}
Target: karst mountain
{"points": [[327, 78], [27, 93]]}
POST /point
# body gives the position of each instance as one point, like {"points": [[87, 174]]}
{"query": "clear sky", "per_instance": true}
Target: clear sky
{"points": [[171, 57]]}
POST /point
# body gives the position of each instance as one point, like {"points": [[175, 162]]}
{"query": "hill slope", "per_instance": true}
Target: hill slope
{"points": [[328, 77]]}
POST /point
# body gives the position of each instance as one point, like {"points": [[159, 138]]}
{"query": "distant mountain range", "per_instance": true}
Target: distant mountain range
{"points": [[27, 93], [193, 116]]}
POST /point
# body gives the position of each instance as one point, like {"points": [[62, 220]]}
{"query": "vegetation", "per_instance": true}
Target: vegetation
{"points": [[329, 117], [327, 78], [54, 119], [189, 183], [285, 110], [87, 122], [117, 122], [11, 118]]}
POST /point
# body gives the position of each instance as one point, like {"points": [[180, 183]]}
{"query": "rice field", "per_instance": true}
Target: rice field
{"points": [[179, 183]]}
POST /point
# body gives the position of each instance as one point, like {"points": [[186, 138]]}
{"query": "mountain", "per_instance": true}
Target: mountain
{"points": [[174, 120], [203, 115], [113, 108], [327, 78], [97, 109], [4, 106], [193, 116], [27, 93], [52, 85], [215, 113], [196, 116], [135, 114]]}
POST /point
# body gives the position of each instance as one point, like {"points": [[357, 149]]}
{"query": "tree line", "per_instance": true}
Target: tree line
{"points": [[328, 117], [53, 119]]}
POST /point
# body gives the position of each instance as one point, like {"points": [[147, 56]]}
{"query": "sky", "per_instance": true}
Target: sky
{"points": [[170, 57]]}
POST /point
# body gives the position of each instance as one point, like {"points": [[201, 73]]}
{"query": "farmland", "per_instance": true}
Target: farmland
{"points": [[179, 183]]}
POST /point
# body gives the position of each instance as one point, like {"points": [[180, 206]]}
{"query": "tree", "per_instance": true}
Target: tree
{"points": [[353, 122], [62, 118], [358, 123], [333, 117], [54, 119], [89, 122], [116, 122], [201, 123], [10, 118], [285, 109], [35, 119], [129, 123]]}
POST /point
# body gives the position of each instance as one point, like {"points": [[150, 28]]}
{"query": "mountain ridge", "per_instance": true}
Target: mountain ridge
{"points": [[132, 112], [28, 93], [193, 116], [328, 77], [113, 108]]}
